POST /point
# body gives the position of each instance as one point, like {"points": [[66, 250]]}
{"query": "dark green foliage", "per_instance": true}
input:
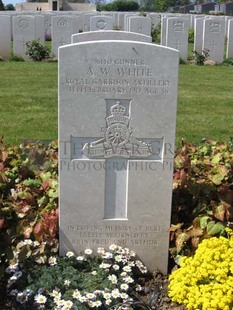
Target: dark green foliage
{"points": [[16, 58], [228, 61], [191, 36], [200, 58], [119, 5], [9, 7], [37, 51], [155, 34]]}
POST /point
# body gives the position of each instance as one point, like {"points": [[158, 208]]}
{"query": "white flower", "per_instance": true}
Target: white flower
{"points": [[80, 258], [82, 299], [131, 264], [112, 278], [113, 247], [108, 301], [98, 303], [101, 251], [105, 266], [94, 273], [124, 286], [115, 267], [40, 299], [118, 258], [69, 254], [123, 274], [55, 293], [90, 296], [52, 261], [88, 251], [67, 282], [68, 304], [127, 268], [115, 293], [76, 294], [132, 253], [107, 255], [128, 279], [91, 304], [138, 287], [138, 263], [124, 295], [107, 295]]}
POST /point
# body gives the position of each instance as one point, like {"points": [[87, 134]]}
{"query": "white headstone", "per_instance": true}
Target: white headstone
{"points": [[109, 35], [5, 36], [117, 119], [154, 20], [177, 35], [86, 21], [101, 23], [198, 34], [229, 52], [213, 39], [40, 28], [62, 30], [24, 30], [140, 24]]}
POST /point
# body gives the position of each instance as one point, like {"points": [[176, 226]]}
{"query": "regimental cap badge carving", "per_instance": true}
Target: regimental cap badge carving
{"points": [[118, 140]]}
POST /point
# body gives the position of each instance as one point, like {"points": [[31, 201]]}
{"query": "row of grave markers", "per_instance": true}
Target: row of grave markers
{"points": [[209, 31]]}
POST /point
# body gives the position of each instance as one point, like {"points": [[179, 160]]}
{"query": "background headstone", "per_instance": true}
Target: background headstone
{"points": [[117, 119], [5, 36], [213, 39], [62, 30], [109, 35], [140, 24], [24, 30], [177, 35], [229, 52], [101, 23]]}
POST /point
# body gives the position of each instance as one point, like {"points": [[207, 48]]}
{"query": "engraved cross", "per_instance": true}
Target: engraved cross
{"points": [[121, 151]]}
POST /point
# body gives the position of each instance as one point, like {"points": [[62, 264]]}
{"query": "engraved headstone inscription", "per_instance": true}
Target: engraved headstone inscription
{"points": [[117, 118]]}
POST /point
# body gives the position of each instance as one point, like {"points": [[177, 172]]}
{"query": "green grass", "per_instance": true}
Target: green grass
{"points": [[28, 102]]}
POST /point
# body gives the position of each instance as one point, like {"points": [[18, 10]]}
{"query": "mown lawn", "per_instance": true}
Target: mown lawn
{"points": [[28, 102]]}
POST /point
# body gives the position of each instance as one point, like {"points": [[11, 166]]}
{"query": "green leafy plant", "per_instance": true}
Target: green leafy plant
{"points": [[200, 58], [191, 36], [16, 58], [204, 281], [85, 281], [228, 61], [202, 195], [37, 51], [156, 33]]}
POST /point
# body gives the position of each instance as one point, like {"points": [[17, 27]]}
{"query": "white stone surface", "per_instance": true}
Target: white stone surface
{"points": [[109, 35], [229, 52], [5, 36], [24, 30], [86, 21], [117, 119], [198, 34], [62, 29], [140, 24], [101, 22], [177, 35], [213, 39]]}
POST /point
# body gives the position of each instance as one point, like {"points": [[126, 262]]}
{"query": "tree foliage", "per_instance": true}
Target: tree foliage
{"points": [[119, 5]]}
